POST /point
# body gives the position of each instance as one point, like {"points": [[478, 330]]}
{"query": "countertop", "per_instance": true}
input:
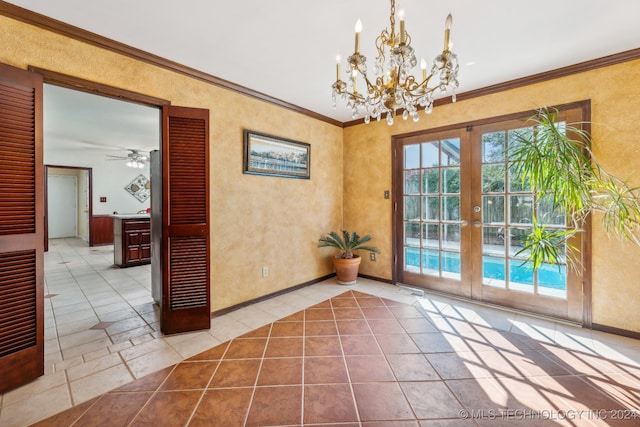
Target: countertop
{"points": [[131, 215]]}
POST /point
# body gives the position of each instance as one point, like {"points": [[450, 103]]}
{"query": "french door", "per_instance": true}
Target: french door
{"points": [[461, 217]]}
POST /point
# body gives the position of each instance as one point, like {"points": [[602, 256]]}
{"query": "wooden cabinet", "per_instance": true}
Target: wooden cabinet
{"points": [[131, 241], [100, 230]]}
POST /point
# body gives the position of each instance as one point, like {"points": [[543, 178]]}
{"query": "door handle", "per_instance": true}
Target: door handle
{"points": [[463, 223], [477, 223]]}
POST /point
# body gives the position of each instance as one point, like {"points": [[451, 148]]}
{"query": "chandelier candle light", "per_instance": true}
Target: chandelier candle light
{"points": [[393, 87]]}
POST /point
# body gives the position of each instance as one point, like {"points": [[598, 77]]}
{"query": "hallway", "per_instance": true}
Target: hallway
{"points": [[360, 355]]}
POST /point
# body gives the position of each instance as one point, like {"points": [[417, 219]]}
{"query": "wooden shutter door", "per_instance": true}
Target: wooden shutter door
{"points": [[185, 220], [21, 228]]}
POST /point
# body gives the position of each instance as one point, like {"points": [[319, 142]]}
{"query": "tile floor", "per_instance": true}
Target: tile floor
{"points": [[364, 355]]}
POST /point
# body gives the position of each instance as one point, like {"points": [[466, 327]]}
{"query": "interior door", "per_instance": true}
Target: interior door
{"points": [[62, 211], [185, 302], [461, 218], [21, 228]]}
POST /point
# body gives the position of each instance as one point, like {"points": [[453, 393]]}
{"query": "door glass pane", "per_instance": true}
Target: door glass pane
{"points": [[451, 208], [548, 213], [493, 209], [412, 156], [451, 237], [492, 178], [431, 262], [516, 240], [451, 265], [520, 276], [412, 260], [412, 208], [431, 236], [515, 181], [493, 272], [412, 233], [521, 209], [493, 147], [451, 180], [450, 152], [552, 280], [430, 155], [493, 241], [431, 208], [412, 181], [431, 181]]}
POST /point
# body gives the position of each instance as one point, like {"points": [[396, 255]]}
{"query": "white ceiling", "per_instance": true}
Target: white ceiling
{"points": [[287, 48], [75, 120]]}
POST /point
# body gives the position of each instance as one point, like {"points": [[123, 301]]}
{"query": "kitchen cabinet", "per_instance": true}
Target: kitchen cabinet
{"points": [[131, 240]]}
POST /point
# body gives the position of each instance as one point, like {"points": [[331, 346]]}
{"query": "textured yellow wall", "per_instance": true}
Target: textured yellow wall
{"points": [[255, 221], [275, 222], [615, 97]]}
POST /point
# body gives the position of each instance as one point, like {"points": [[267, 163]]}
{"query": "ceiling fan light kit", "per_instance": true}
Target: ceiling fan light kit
{"points": [[134, 159], [392, 86]]}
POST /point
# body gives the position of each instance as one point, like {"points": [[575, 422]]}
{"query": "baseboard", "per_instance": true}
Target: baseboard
{"points": [[271, 295], [616, 331], [378, 279]]}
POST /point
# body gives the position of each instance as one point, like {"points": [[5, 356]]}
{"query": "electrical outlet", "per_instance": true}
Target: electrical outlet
{"points": [[372, 256], [265, 271]]}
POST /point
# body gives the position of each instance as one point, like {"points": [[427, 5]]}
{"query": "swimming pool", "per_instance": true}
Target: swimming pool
{"points": [[549, 276]]}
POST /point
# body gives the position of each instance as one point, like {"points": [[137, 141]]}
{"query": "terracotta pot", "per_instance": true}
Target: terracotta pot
{"points": [[347, 269]]}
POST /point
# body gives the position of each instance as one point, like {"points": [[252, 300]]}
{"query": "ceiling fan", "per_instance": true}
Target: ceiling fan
{"points": [[135, 159]]}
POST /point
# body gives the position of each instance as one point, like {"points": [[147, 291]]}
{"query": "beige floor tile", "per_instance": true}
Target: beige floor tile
{"points": [[97, 383], [36, 407], [41, 385], [194, 345], [154, 361], [85, 314], [80, 338], [144, 348], [88, 347], [88, 368], [65, 364], [224, 328]]}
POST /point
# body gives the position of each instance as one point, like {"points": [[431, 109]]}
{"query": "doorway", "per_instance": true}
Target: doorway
{"points": [[67, 210], [462, 218], [62, 192], [91, 136]]}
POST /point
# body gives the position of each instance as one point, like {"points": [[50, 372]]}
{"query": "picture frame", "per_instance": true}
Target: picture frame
{"points": [[274, 156]]}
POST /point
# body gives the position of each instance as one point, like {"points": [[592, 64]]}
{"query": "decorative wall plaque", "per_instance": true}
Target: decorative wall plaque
{"points": [[140, 188]]}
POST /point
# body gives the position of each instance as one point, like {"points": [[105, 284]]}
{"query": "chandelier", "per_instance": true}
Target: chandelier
{"points": [[393, 87]]}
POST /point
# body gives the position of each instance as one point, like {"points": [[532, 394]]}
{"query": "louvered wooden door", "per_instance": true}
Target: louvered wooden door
{"points": [[185, 304], [21, 228]]}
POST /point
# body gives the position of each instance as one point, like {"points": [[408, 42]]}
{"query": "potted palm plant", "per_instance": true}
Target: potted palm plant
{"points": [[346, 262]]}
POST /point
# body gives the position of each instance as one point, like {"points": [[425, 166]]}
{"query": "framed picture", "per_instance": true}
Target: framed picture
{"points": [[274, 156]]}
